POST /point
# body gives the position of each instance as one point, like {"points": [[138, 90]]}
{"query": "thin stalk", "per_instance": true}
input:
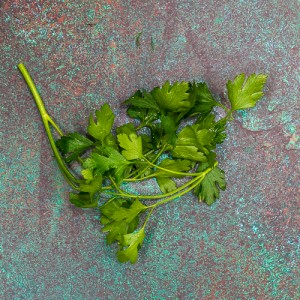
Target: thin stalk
{"points": [[72, 180], [153, 197], [139, 179], [148, 217], [198, 181], [171, 171], [116, 186], [141, 171]]}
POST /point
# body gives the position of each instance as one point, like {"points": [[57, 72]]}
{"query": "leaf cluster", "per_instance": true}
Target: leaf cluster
{"points": [[174, 135]]}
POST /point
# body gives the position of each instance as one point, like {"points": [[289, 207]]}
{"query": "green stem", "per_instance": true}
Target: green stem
{"points": [[142, 170], [198, 181], [139, 179], [148, 217], [72, 180], [170, 171], [169, 199], [153, 197], [224, 107]]}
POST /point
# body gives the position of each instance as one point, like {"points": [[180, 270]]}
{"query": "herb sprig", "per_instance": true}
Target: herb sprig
{"points": [[174, 136]]}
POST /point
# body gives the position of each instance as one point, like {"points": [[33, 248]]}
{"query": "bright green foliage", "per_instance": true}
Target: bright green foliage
{"points": [[202, 98], [92, 186], [244, 93], [167, 165], [172, 97], [131, 243], [102, 127], [143, 100], [166, 184], [209, 188], [72, 145], [115, 225], [132, 145], [82, 200], [175, 135], [128, 214]]}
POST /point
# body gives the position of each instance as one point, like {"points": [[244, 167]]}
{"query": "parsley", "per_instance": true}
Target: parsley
{"points": [[175, 136]]}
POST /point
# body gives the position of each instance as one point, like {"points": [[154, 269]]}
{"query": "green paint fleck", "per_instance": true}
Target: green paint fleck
{"points": [[152, 43], [137, 40]]}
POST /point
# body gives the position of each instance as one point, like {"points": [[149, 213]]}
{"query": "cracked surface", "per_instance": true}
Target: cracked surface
{"points": [[84, 53]]}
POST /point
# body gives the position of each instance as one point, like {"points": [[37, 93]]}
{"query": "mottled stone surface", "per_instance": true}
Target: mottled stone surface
{"points": [[84, 53]]}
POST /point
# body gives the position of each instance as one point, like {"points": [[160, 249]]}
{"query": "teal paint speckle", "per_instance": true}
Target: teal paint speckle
{"points": [[219, 20]]}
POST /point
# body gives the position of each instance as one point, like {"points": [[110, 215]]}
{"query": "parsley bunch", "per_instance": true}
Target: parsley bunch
{"points": [[174, 136]]}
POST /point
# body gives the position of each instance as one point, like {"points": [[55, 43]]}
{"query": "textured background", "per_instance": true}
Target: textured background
{"points": [[82, 54]]}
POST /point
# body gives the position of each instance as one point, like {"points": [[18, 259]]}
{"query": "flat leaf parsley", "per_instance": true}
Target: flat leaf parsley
{"points": [[174, 136]]}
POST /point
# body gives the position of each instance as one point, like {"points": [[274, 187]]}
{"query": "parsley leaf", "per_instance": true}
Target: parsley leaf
{"points": [[132, 145], [92, 187], [244, 93], [73, 144], [127, 213], [188, 152], [131, 243], [116, 229], [166, 184], [178, 165], [193, 135], [97, 162], [82, 200], [143, 99], [208, 190], [102, 127], [172, 97], [101, 164], [127, 128], [202, 98]]}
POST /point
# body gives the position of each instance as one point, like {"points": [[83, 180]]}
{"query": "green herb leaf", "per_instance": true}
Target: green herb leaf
{"points": [[244, 93], [127, 213], [73, 144], [92, 187], [172, 97], [132, 145], [101, 164], [209, 188], [143, 100], [126, 129], [178, 165], [82, 200], [102, 127], [192, 135], [131, 243], [202, 98], [116, 229], [188, 152], [166, 184], [115, 225], [97, 162]]}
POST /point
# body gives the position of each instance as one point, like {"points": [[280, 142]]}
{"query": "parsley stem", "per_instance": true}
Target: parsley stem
{"points": [[142, 170], [139, 179], [170, 171], [153, 197], [72, 180], [224, 107], [196, 181], [199, 179], [148, 217], [116, 186]]}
